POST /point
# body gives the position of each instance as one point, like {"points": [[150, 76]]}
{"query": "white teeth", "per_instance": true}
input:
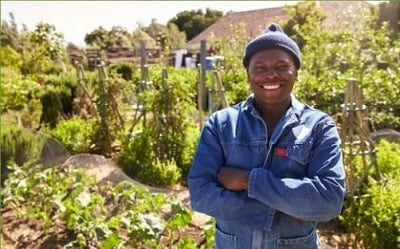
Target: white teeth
{"points": [[270, 87]]}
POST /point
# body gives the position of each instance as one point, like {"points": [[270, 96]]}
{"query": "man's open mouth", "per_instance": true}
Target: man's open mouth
{"points": [[270, 86]]}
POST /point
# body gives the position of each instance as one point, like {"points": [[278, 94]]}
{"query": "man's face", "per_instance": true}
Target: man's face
{"points": [[271, 74]]}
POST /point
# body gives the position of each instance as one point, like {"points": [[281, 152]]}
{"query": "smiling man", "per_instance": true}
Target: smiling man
{"points": [[269, 168]]}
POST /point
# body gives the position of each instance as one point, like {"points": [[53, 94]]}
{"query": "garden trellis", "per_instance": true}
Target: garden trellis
{"points": [[356, 142], [145, 85], [216, 93]]}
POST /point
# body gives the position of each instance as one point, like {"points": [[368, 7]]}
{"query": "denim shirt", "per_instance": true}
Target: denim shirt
{"points": [[296, 176]]}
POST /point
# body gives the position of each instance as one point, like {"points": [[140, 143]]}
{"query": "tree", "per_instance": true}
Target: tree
{"points": [[42, 48], [140, 35], [176, 38], [195, 21], [299, 14], [9, 33], [48, 41], [154, 29], [387, 13], [97, 38], [118, 37], [170, 35], [101, 38]]}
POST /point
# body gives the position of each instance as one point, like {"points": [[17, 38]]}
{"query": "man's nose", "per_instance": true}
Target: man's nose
{"points": [[270, 73]]}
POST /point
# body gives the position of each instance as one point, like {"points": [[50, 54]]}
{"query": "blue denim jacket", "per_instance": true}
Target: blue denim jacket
{"points": [[296, 176]]}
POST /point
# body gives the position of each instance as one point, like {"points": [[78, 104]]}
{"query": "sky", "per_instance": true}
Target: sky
{"points": [[74, 19]]}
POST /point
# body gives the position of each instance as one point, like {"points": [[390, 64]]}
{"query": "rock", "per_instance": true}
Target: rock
{"points": [[105, 170], [388, 134], [53, 152]]}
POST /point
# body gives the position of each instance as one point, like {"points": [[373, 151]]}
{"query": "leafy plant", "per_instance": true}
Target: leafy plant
{"points": [[375, 215], [73, 133], [159, 173], [331, 56], [20, 96], [160, 147], [10, 57], [18, 145], [233, 75], [57, 97], [100, 216]]}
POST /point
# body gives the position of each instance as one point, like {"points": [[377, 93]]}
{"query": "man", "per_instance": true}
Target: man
{"points": [[269, 168]]}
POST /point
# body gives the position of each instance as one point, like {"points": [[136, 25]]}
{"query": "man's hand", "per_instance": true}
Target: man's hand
{"points": [[233, 179]]}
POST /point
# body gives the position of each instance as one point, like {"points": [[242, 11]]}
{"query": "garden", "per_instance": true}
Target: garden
{"points": [[147, 119]]}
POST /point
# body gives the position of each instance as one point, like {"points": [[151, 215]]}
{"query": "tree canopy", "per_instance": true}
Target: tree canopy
{"points": [[193, 22]]}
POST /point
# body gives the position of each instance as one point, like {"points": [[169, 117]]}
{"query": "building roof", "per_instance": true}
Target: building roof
{"points": [[255, 21]]}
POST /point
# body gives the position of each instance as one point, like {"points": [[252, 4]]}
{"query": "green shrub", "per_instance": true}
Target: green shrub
{"points": [[136, 152], [374, 216], [10, 58], [192, 136], [165, 139], [73, 133], [125, 69], [18, 144], [57, 98], [20, 104], [388, 158], [160, 173], [18, 91], [233, 76]]}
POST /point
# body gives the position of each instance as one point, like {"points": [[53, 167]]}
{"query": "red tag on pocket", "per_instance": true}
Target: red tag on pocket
{"points": [[281, 152]]}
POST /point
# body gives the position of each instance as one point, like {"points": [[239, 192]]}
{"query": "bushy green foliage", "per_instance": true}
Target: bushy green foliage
{"points": [[136, 152], [233, 75], [195, 21], [388, 158], [359, 49], [20, 99], [110, 119], [161, 142], [375, 215], [73, 133], [138, 160], [159, 173], [10, 57], [18, 145], [17, 91], [192, 135], [125, 69], [57, 97]]}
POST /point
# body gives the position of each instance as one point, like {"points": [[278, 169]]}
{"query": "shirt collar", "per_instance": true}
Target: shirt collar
{"points": [[296, 106]]}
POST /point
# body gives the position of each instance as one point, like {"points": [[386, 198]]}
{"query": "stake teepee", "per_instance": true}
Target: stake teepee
{"points": [[356, 142]]}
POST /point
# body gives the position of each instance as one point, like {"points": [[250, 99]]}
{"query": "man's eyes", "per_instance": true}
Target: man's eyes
{"points": [[281, 67], [259, 69]]}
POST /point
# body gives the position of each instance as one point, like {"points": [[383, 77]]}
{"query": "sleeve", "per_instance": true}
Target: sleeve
{"points": [[208, 197], [317, 197]]}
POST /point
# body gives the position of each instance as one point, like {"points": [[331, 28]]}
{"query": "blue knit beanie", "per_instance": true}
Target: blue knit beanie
{"points": [[273, 37]]}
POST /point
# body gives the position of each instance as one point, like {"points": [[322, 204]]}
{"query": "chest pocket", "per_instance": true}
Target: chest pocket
{"points": [[245, 155], [291, 161]]}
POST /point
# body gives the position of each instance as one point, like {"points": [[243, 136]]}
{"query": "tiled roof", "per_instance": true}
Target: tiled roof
{"points": [[256, 21]]}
